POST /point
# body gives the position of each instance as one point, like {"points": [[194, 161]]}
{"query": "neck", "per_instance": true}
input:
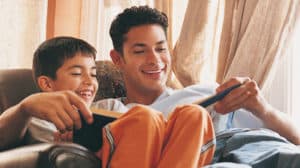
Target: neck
{"points": [[144, 97]]}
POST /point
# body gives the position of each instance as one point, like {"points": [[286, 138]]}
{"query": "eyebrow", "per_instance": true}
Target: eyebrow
{"points": [[79, 66], [143, 45]]}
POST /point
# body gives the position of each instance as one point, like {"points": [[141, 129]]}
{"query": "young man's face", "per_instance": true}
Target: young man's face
{"points": [[145, 62], [79, 75]]}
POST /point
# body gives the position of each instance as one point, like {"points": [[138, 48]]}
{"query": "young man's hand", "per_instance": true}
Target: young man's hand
{"points": [[247, 96], [61, 108]]}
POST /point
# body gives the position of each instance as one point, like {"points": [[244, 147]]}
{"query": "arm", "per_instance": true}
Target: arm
{"points": [[249, 96], [60, 108], [13, 125]]}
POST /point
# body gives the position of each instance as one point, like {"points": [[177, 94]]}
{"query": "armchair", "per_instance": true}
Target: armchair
{"points": [[16, 84]]}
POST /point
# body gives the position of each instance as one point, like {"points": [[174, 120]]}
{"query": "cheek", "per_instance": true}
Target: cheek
{"points": [[130, 66], [70, 84], [166, 59], [96, 84]]}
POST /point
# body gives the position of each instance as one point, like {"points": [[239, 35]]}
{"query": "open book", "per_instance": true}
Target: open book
{"points": [[90, 135]]}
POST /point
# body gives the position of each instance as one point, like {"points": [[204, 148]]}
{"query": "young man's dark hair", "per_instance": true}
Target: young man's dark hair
{"points": [[132, 17], [52, 53]]}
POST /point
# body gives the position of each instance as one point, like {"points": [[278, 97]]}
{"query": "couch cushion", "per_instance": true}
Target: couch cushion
{"points": [[110, 80]]}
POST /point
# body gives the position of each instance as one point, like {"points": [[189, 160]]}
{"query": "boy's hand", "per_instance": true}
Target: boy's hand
{"points": [[61, 108], [63, 137]]}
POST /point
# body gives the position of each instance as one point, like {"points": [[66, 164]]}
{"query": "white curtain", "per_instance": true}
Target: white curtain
{"points": [[23, 28], [96, 17], [255, 36], [195, 53]]}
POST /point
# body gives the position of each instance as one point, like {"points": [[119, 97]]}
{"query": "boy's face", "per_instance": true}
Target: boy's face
{"points": [[77, 74], [145, 63]]}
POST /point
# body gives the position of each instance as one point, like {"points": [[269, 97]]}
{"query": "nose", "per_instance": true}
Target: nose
{"points": [[88, 79], [154, 57]]}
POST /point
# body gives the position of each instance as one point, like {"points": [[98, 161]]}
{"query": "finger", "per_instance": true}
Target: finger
{"points": [[233, 96], [231, 82], [252, 87], [64, 137], [74, 114], [56, 136], [237, 104], [70, 136], [81, 106], [229, 102], [59, 124], [66, 118]]}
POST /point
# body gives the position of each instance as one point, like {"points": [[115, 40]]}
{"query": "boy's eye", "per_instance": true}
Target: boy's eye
{"points": [[76, 74]]}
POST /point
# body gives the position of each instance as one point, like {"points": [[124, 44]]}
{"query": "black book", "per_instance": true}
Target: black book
{"points": [[90, 135], [216, 97]]}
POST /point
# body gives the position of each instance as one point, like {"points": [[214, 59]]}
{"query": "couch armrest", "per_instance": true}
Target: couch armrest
{"points": [[60, 155], [25, 157]]}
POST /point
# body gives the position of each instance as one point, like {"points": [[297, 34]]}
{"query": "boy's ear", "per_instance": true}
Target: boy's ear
{"points": [[116, 57], [45, 83]]}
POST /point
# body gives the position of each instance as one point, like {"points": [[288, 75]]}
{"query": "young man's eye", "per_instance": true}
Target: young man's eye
{"points": [[161, 49], [94, 75], [138, 52]]}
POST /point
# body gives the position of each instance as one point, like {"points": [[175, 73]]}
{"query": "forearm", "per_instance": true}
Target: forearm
{"points": [[13, 125], [282, 124]]}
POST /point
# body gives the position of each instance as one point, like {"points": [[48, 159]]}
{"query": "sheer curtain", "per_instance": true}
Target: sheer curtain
{"points": [[194, 55], [294, 82], [23, 28], [254, 36]]}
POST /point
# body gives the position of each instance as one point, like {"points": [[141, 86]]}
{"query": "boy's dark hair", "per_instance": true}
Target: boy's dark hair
{"points": [[52, 53], [131, 17]]}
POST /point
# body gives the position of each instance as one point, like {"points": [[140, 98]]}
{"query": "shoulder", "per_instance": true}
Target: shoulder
{"points": [[202, 87], [106, 103], [114, 104]]}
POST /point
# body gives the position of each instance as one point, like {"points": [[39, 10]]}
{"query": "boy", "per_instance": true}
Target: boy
{"points": [[139, 138]]}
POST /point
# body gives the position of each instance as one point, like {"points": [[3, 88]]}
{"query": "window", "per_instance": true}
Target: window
{"points": [[284, 91]]}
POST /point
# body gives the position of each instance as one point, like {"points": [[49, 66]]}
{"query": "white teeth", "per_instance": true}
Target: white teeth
{"points": [[157, 68], [85, 93], [157, 71]]}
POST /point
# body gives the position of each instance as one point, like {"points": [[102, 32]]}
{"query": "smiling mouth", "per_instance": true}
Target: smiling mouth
{"points": [[152, 71], [156, 69], [86, 94]]}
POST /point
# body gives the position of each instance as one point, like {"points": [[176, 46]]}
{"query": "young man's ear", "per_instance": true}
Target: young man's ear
{"points": [[116, 58], [45, 83]]}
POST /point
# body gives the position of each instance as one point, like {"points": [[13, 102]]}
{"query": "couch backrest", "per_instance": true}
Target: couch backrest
{"points": [[111, 84], [16, 84]]}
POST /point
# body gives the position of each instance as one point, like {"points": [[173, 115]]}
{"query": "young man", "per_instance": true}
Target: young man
{"points": [[139, 138], [141, 53]]}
